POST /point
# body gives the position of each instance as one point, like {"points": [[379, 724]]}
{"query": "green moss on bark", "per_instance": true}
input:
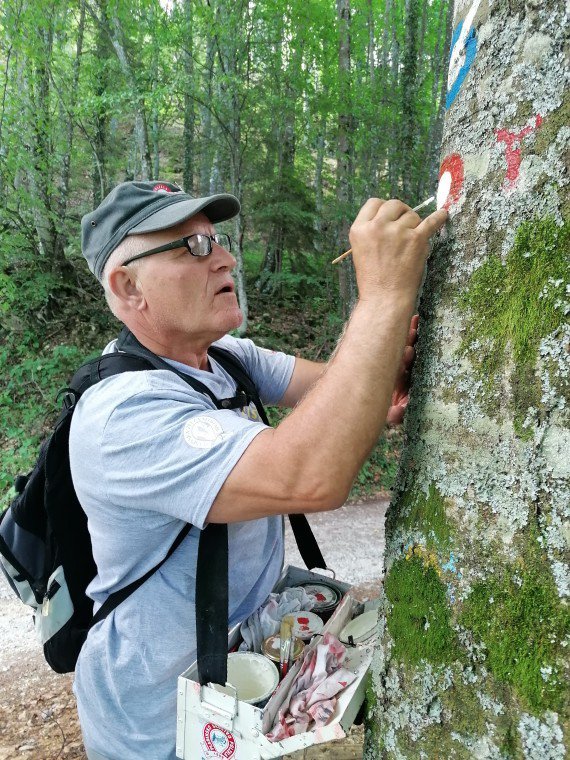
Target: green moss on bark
{"points": [[518, 616], [512, 306], [426, 513], [419, 621]]}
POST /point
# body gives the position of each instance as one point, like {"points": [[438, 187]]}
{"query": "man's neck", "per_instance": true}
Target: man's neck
{"points": [[193, 355]]}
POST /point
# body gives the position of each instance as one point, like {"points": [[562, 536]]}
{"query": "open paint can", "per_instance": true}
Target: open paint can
{"points": [[253, 676]]}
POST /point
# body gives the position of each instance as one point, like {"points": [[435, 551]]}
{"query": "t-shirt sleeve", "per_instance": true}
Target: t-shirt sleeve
{"points": [[168, 449], [271, 371]]}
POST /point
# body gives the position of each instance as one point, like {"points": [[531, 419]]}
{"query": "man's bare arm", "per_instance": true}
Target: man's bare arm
{"points": [[308, 463], [305, 375]]}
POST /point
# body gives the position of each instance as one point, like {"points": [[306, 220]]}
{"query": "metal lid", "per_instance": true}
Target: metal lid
{"points": [[326, 596], [272, 645]]}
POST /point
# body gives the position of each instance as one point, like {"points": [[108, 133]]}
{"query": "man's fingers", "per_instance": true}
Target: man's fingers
{"points": [[434, 222], [408, 357], [393, 210], [369, 210], [414, 324]]}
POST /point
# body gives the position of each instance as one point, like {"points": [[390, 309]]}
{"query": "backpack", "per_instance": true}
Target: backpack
{"points": [[45, 547]]}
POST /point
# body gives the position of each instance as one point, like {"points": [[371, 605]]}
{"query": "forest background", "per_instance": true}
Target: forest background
{"points": [[301, 108]]}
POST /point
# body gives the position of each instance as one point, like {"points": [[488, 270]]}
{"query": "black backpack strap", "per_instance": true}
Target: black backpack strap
{"points": [[113, 600], [306, 542], [212, 604], [126, 342], [245, 384]]}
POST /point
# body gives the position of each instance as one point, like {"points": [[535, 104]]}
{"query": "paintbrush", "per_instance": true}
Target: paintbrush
{"points": [[417, 208], [286, 645]]}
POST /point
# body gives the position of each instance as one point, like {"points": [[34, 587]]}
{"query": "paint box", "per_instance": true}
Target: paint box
{"points": [[212, 724]]}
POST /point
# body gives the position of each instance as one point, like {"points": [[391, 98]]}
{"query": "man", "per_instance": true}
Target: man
{"points": [[149, 453]]}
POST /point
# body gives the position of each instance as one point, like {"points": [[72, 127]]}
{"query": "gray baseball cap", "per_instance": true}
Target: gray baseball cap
{"points": [[133, 208]]}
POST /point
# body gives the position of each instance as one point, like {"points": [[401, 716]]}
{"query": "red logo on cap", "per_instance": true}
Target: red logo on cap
{"points": [[162, 186]]}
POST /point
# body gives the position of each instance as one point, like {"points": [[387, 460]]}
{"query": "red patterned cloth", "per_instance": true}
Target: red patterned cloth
{"points": [[313, 694]]}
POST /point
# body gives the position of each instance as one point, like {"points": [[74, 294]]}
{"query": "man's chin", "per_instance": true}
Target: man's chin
{"points": [[235, 318]]}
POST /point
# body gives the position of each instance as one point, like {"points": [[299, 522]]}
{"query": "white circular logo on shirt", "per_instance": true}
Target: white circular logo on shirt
{"points": [[203, 432]]}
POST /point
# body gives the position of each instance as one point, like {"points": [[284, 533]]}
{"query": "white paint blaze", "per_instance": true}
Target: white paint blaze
{"points": [[443, 189]]}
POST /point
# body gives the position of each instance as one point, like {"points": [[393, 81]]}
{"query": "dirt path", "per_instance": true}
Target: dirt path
{"points": [[38, 719]]}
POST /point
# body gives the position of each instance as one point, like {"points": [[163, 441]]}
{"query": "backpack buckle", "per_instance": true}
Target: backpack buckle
{"points": [[240, 400], [69, 398]]}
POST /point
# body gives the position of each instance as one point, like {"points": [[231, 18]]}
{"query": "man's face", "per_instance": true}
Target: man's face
{"points": [[188, 298]]}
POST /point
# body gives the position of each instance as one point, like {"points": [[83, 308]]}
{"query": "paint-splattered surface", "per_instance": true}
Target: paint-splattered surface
{"points": [[474, 661]]}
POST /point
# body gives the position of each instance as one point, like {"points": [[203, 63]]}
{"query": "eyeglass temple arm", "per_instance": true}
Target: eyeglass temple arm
{"points": [[160, 249]]}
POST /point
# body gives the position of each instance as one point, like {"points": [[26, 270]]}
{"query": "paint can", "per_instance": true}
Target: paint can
{"points": [[326, 598], [272, 645], [306, 625], [253, 676]]}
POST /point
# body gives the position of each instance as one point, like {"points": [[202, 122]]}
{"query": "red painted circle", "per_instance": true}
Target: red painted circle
{"points": [[162, 186], [454, 165]]}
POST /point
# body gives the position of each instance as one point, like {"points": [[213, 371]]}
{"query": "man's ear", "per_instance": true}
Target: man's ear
{"points": [[124, 285]]}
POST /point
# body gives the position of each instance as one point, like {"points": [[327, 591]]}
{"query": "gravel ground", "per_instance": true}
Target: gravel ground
{"points": [[38, 719]]}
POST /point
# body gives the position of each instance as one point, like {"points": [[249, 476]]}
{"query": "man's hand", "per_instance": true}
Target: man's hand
{"points": [[400, 395]]}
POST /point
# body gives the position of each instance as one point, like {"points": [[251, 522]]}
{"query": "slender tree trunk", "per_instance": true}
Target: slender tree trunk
{"points": [[344, 156], [99, 172], [409, 100], [40, 173], [206, 153], [273, 263], [319, 161], [189, 115], [394, 149], [435, 133], [63, 194], [141, 131], [472, 658]]}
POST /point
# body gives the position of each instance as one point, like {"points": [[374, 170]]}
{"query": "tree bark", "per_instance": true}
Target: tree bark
{"points": [[63, 195], [471, 659], [115, 31], [409, 100], [344, 157], [189, 115]]}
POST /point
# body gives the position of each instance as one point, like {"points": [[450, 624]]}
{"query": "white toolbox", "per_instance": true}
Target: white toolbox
{"points": [[212, 725]]}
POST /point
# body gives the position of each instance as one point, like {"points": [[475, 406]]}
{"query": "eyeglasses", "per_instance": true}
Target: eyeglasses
{"points": [[197, 245]]}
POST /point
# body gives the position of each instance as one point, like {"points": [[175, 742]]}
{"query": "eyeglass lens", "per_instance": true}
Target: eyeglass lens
{"points": [[201, 245]]}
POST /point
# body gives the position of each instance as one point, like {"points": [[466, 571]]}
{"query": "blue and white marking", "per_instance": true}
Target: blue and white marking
{"points": [[463, 51]]}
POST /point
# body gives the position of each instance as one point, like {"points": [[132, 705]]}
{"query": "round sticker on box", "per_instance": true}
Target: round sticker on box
{"points": [[219, 741]]}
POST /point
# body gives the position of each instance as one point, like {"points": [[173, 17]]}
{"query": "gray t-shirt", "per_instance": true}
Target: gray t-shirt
{"points": [[148, 453]]}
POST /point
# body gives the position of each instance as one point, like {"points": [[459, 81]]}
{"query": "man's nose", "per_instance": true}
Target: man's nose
{"points": [[221, 257]]}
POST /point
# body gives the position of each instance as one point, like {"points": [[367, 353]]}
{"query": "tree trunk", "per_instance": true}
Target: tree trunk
{"points": [[206, 152], [439, 90], [63, 195], [319, 161], [394, 152], [40, 172], [99, 172], [189, 117], [141, 131], [409, 101], [471, 660], [344, 157]]}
